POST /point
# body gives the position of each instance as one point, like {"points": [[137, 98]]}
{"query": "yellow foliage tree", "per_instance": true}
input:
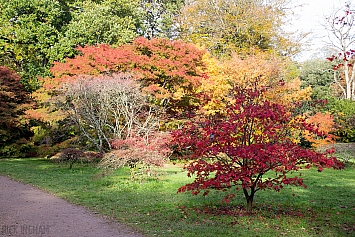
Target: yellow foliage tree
{"points": [[270, 71]]}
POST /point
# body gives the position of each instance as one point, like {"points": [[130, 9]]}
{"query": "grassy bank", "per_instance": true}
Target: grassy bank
{"points": [[325, 208]]}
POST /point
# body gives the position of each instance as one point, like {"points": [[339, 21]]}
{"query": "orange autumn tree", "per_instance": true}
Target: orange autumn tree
{"points": [[325, 123], [169, 71]]}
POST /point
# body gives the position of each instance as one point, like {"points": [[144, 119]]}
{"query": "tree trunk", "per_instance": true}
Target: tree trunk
{"points": [[250, 204], [347, 81], [249, 198]]}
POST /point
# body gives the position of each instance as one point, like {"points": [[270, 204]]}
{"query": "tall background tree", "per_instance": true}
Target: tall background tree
{"points": [[34, 34], [28, 31], [226, 26], [318, 74], [98, 22]]}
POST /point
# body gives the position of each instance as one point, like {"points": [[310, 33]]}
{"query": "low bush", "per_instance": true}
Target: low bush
{"points": [[73, 155]]}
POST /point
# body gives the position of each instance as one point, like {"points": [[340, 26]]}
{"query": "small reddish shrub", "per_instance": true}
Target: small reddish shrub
{"points": [[148, 151]]}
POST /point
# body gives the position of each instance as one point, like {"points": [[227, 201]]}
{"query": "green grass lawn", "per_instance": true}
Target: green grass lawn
{"points": [[152, 206]]}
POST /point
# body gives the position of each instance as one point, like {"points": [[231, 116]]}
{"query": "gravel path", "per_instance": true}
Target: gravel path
{"points": [[27, 211]]}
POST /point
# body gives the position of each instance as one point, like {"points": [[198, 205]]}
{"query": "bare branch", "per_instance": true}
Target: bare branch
{"points": [[110, 107]]}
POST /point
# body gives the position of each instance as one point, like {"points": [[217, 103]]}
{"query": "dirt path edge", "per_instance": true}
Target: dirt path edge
{"points": [[28, 211]]}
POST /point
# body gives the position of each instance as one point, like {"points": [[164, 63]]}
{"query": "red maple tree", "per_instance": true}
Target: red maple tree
{"points": [[242, 149]]}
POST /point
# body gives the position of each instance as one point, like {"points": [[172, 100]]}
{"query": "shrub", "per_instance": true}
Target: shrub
{"points": [[73, 155], [138, 150]]}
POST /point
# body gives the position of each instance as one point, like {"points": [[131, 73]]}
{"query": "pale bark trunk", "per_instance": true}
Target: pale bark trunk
{"points": [[347, 81], [352, 83], [338, 83]]}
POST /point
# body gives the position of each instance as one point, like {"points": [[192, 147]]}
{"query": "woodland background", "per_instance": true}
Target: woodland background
{"points": [[100, 76]]}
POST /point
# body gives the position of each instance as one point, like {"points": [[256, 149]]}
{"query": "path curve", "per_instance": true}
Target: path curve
{"points": [[30, 212]]}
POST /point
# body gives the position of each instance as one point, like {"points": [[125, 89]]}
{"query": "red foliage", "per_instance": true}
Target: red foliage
{"points": [[163, 66], [94, 60], [12, 91], [139, 149], [341, 25], [256, 137], [349, 55], [14, 100]]}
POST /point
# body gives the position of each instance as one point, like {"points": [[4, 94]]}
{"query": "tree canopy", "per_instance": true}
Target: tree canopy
{"points": [[226, 26], [224, 75], [28, 31], [102, 22], [170, 71]]}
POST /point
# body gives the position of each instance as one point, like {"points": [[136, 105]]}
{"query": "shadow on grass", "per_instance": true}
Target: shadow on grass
{"points": [[326, 207]]}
